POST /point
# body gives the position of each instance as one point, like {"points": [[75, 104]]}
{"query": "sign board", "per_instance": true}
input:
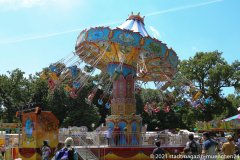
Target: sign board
{"points": [[9, 125]]}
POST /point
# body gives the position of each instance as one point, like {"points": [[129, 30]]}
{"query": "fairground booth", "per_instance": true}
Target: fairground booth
{"points": [[230, 125], [37, 126]]}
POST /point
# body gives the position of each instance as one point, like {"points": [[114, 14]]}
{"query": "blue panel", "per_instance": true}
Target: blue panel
{"points": [[53, 68], [122, 125], [130, 24], [123, 140], [154, 47], [111, 68], [125, 38], [98, 34], [164, 51], [134, 135], [111, 125], [172, 59], [74, 71], [76, 85], [29, 127], [134, 126]]}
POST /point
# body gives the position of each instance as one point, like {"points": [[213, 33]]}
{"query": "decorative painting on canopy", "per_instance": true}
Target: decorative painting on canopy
{"points": [[126, 38], [98, 34]]}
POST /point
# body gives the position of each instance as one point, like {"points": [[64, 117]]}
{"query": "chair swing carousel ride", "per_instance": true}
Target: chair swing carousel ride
{"points": [[131, 58]]}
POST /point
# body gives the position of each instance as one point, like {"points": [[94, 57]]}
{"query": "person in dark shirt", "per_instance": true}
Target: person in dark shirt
{"points": [[158, 153], [209, 147], [46, 150], [192, 147], [116, 132]]}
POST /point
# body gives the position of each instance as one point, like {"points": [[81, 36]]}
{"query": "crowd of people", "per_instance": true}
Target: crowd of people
{"points": [[115, 134], [205, 148]]}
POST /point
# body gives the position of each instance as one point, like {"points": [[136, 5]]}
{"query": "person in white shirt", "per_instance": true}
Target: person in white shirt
{"points": [[109, 135]]}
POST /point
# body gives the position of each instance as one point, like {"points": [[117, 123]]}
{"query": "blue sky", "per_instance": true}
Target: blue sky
{"points": [[35, 33]]}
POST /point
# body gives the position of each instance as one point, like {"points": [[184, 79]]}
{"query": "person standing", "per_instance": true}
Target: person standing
{"points": [[125, 133], [228, 148], [3, 150], [46, 151], [59, 147], [68, 152], [109, 135], [158, 153], [209, 147], [237, 147], [192, 147]]}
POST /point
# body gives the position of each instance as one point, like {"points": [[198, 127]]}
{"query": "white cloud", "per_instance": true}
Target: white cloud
{"points": [[194, 48], [6, 5], [15, 40], [63, 5], [155, 32], [31, 3], [67, 4]]}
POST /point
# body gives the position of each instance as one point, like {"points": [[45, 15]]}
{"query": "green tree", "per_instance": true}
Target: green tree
{"points": [[236, 76], [161, 119], [210, 73], [14, 93], [234, 99]]}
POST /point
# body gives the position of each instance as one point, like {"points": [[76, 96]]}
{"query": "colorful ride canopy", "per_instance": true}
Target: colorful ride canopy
{"points": [[128, 44]]}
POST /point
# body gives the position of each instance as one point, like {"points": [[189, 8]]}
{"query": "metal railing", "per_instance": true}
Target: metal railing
{"points": [[131, 139], [82, 143]]}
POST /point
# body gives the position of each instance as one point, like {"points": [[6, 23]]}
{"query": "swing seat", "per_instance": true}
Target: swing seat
{"points": [[138, 90], [209, 100], [74, 71], [192, 90], [87, 101], [73, 95], [107, 105], [60, 66], [54, 76], [53, 68], [76, 85], [67, 88], [142, 73], [145, 109], [88, 69], [100, 101], [181, 103], [166, 85], [197, 95], [156, 110], [167, 109], [51, 84], [43, 76], [195, 104], [90, 97]]}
